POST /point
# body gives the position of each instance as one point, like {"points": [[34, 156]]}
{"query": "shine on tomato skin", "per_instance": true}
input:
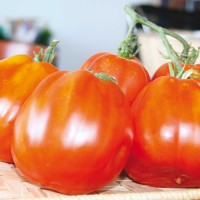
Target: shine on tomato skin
{"points": [[71, 140], [19, 76]]}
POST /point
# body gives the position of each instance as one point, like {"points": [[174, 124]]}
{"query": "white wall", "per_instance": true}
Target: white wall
{"points": [[83, 27]]}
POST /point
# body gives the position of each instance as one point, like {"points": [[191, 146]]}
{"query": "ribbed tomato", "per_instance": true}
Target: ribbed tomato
{"points": [[129, 74], [166, 147], [74, 133], [19, 76]]}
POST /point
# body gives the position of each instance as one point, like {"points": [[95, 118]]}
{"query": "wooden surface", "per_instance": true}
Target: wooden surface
{"points": [[14, 187]]}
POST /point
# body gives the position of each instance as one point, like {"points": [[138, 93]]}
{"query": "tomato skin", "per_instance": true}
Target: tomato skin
{"points": [[71, 140], [163, 70], [130, 75], [166, 147], [19, 76]]}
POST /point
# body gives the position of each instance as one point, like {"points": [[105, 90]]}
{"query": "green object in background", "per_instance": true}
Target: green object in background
{"points": [[44, 37], [2, 34]]}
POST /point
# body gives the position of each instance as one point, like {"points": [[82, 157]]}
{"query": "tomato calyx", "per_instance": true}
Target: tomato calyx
{"points": [[49, 54], [190, 73], [102, 76], [129, 47], [105, 77]]}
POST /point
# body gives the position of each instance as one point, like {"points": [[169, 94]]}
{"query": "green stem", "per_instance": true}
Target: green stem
{"points": [[173, 57], [193, 56], [139, 19], [103, 76], [128, 47], [38, 57], [49, 53]]}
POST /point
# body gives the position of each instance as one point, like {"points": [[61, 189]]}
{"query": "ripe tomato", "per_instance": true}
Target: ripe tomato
{"points": [[130, 75], [166, 147], [19, 76], [74, 133], [163, 70]]}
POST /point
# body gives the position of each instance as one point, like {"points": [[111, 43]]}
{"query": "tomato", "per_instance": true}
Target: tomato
{"points": [[166, 147], [163, 70], [19, 76], [130, 75], [74, 133]]}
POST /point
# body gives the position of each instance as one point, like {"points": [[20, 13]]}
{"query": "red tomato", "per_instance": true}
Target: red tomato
{"points": [[163, 70], [130, 75], [74, 133], [19, 76], [166, 147]]}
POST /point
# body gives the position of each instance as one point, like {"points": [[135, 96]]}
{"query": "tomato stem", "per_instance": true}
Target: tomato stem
{"points": [[105, 77], [139, 19], [190, 72], [49, 53], [175, 59], [189, 54], [38, 57], [193, 56], [128, 48], [102, 76]]}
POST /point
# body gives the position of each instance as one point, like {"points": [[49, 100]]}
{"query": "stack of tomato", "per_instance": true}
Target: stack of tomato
{"points": [[68, 131], [74, 132]]}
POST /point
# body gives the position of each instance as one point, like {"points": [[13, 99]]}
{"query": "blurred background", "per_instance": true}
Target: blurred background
{"points": [[87, 27]]}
